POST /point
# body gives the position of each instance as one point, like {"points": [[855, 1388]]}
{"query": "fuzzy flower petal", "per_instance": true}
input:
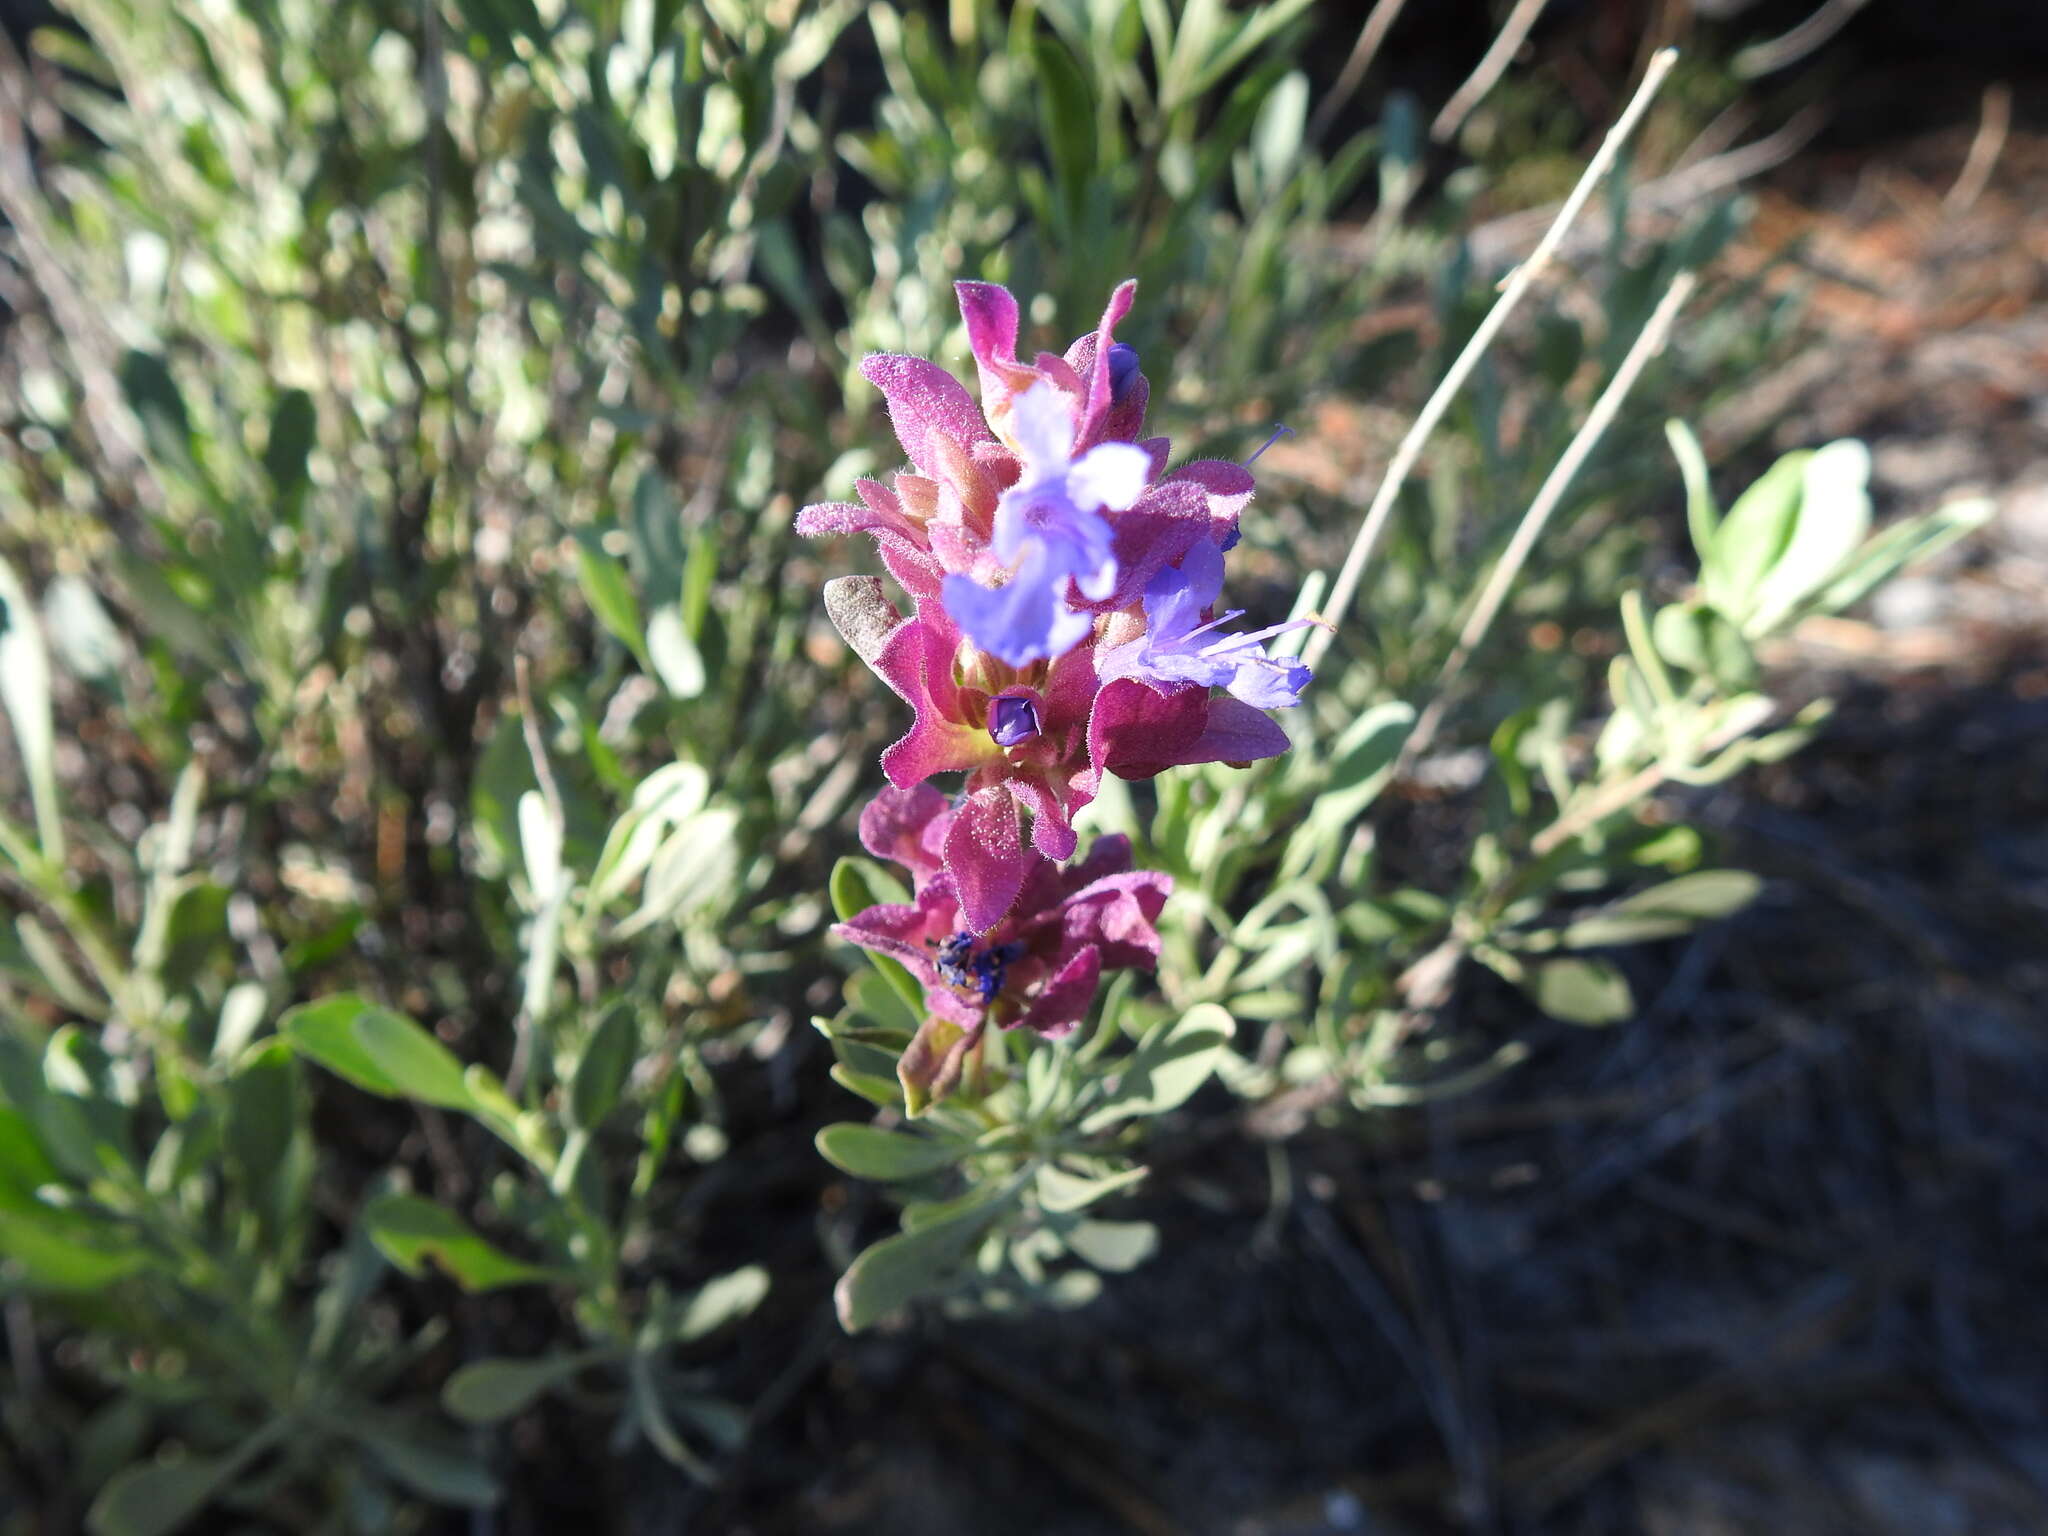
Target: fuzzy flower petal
{"points": [[1049, 525]]}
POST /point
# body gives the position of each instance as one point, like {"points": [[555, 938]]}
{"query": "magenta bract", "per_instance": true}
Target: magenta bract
{"points": [[1037, 966]]}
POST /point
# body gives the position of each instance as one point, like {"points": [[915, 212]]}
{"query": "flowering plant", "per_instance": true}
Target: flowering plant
{"points": [[1064, 585], [1063, 581]]}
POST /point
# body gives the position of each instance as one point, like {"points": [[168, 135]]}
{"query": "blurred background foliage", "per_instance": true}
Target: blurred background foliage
{"points": [[412, 671]]}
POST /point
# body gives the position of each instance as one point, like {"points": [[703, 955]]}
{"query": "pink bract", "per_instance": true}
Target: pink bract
{"points": [[1037, 967]]}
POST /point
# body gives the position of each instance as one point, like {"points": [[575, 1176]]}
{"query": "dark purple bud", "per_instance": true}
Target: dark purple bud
{"points": [[1123, 368], [1230, 539], [1012, 720]]}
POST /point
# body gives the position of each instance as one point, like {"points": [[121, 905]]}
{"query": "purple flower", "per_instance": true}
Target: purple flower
{"points": [[1178, 648], [1049, 528]]}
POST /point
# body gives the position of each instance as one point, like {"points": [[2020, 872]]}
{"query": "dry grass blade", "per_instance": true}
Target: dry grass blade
{"points": [[1647, 345], [1345, 589], [1513, 33]]}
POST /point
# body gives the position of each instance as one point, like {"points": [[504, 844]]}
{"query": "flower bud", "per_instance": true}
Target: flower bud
{"points": [[1012, 720]]}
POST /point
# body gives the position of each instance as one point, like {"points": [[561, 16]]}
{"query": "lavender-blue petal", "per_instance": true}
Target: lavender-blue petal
{"points": [[1022, 621]]}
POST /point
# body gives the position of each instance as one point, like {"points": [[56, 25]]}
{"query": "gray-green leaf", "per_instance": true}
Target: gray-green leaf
{"points": [[409, 1230], [489, 1391], [1582, 991], [870, 1152], [1665, 910]]}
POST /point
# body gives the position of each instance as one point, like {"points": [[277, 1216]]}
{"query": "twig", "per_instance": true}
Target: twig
{"points": [[1513, 33], [1345, 588], [1379, 22], [1599, 807], [1647, 345], [1765, 58], [1993, 124]]}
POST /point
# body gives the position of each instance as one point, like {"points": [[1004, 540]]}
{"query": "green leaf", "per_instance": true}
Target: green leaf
{"points": [[1834, 515], [876, 1089], [871, 995], [1174, 1059], [1695, 637], [602, 1069], [1753, 535], [717, 1302], [51, 970], [421, 1066], [57, 1250], [610, 593], [722, 1423], [241, 1015], [655, 526], [1702, 517], [1900, 545], [540, 844], [24, 1165], [1061, 1191], [156, 1497], [489, 1391], [1067, 119], [409, 1230], [1116, 1246], [862, 1051], [928, 1261], [377, 1050], [1675, 907], [153, 395], [869, 1152], [25, 690], [263, 1112], [673, 654], [324, 1032], [167, 615], [858, 884], [1276, 135], [1364, 757], [1582, 991]]}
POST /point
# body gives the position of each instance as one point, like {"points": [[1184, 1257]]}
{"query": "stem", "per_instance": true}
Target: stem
{"points": [[1605, 803], [1517, 286]]}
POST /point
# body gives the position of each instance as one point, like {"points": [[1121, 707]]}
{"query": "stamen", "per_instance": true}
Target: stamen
{"points": [[1278, 433], [982, 973]]}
